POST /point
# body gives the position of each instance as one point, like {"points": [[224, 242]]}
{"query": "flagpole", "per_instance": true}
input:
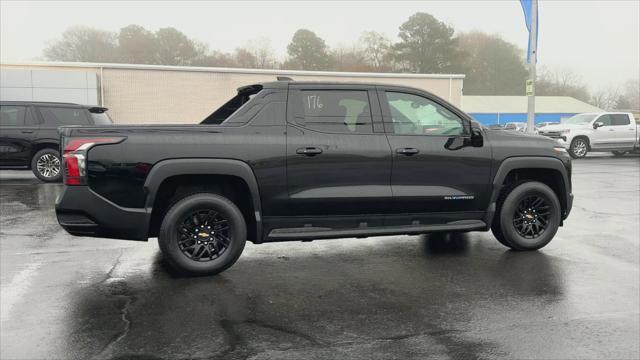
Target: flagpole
{"points": [[533, 56]]}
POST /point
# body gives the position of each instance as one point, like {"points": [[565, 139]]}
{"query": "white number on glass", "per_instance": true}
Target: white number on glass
{"points": [[313, 102]]}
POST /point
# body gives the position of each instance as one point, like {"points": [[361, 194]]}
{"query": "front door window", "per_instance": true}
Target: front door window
{"points": [[416, 115]]}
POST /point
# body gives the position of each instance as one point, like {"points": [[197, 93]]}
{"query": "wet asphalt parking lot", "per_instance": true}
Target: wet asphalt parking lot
{"points": [[400, 297]]}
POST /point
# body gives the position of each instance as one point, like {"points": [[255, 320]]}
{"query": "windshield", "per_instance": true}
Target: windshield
{"points": [[580, 119]]}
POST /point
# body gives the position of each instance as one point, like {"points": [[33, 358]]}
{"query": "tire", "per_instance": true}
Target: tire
{"points": [[495, 225], [46, 165], [497, 233], [618, 153], [579, 148], [515, 200], [179, 225]]}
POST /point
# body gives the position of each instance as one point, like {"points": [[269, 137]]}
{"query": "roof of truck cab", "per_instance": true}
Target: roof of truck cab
{"points": [[282, 84]]}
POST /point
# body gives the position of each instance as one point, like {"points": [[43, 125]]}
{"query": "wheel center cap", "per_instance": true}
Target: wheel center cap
{"points": [[203, 234], [529, 216]]}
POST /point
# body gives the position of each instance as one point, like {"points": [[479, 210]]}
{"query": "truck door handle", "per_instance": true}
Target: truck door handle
{"points": [[27, 131], [407, 151], [612, 129], [309, 151]]}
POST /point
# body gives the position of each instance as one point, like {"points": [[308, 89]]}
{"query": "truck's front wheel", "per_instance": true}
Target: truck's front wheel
{"points": [[202, 234], [528, 217]]}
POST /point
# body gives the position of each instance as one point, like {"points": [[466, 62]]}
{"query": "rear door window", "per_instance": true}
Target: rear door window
{"points": [[336, 111], [12, 115], [620, 119], [57, 116]]}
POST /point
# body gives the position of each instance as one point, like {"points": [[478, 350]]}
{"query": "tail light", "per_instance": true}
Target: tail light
{"points": [[75, 155]]}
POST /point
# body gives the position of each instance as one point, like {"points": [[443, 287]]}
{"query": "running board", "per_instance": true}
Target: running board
{"points": [[312, 233]]}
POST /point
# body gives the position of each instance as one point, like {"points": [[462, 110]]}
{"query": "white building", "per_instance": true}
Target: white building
{"points": [[174, 94]]}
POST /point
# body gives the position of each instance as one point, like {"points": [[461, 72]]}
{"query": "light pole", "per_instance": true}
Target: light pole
{"points": [[533, 56]]}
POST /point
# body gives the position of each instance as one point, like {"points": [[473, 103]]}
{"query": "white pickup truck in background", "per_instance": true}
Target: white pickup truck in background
{"points": [[610, 131]]}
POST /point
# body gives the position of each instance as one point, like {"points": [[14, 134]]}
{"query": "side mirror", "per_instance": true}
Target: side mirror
{"points": [[476, 137], [472, 138], [597, 124]]}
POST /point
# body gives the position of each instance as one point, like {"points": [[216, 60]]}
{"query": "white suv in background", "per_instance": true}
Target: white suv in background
{"points": [[611, 131]]}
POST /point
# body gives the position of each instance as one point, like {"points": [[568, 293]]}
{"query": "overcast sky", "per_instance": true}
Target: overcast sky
{"points": [[599, 40]]}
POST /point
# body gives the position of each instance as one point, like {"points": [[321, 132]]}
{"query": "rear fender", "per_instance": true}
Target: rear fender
{"points": [[168, 168]]}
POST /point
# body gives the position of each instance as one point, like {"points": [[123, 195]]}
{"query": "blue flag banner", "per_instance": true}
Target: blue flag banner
{"points": [[526, 8]]}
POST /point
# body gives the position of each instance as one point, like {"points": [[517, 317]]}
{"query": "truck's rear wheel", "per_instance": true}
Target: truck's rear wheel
{"points": [[528, 217], [202, 234], [579, 148], [46, 165]]}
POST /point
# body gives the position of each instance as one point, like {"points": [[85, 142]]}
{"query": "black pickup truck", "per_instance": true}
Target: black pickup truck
{"points": [[298, 161]]}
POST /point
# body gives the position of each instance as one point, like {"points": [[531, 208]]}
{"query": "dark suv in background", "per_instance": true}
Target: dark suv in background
{"points": [[29, 133]]}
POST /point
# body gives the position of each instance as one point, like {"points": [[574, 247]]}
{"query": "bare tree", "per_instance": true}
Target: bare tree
{"points": [[607, 98], [563, 82], [630, 98], [263, 53], [377, 50], [137, 45], [245, 59], [215, 59], [350, 59], [82, 43]]}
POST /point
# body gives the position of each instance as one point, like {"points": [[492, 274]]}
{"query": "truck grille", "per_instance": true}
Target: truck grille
{"points": [[552, 134]]}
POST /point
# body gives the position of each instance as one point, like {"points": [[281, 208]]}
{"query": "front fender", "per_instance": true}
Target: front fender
{"points": [[575, 133], [529, 162]]}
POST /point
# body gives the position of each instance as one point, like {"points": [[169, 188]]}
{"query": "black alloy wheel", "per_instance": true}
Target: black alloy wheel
{"points": [[531, 218], [204, 235], [528, 216]]}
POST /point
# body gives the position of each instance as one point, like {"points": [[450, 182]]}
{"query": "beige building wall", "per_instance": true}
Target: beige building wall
{"points": [[149, 94]]}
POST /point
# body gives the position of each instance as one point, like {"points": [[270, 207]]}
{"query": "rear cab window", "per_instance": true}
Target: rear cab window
{"points": [[334, 111]]}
